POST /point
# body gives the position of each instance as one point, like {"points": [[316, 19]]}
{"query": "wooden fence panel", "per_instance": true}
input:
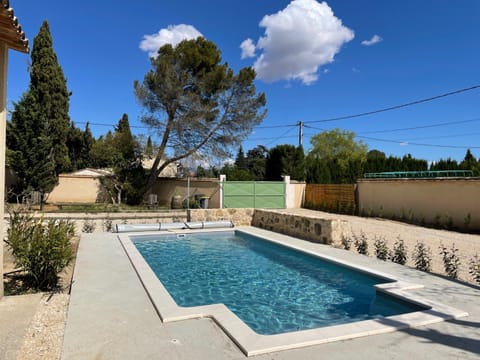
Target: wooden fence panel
{"points": [[338, 198]]}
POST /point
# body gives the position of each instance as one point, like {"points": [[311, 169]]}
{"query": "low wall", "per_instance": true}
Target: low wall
{"points": [[446, 203], [101, 222], [240, 217], [324, 231]]}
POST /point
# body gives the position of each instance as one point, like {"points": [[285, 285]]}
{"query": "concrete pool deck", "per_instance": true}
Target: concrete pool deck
{"points": [[111, 317]]}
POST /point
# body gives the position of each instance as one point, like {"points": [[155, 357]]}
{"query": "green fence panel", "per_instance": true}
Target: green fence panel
{"points": [[254, 194]]}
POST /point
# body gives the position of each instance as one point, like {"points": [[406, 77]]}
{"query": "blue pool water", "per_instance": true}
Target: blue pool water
{"points": [[272, 288]]}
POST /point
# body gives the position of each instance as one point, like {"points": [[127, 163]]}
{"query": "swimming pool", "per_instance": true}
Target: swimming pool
{"points": [[272, 288], [253, 343]]}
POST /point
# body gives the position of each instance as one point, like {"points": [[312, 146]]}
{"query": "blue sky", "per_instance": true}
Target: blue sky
{"points": [[315, 61]]}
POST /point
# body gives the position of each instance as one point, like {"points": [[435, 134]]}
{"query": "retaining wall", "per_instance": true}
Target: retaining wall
{"points": [[324, 231]]}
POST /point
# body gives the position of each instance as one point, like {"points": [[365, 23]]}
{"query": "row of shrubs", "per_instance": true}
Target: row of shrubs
{"points": [[421, 255]]}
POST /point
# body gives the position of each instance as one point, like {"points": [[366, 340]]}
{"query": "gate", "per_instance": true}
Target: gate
{"points": [[254, 194]]}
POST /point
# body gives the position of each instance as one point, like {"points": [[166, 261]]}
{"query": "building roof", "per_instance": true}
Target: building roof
{"points": [[91, 173], [11, 32]]}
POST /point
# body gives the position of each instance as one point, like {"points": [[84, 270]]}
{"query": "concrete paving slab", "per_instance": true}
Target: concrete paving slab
{"points": [[16, 313], [111, 317]]}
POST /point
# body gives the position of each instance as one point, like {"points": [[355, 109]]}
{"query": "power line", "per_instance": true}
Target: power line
{"points": [[416, 102], [420, 126], [419, 144]]}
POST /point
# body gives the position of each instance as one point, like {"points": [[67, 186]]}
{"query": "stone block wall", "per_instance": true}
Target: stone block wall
{"points": [[240, 217], [324, 231]]}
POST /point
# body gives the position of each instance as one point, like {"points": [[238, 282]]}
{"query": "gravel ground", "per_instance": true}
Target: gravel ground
{"points": [[468, 245], [44, 337]]}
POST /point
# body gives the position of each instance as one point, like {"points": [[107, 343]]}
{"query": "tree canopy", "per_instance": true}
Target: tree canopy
{"points": [[196, 103], [285, 160], [39, 126]]}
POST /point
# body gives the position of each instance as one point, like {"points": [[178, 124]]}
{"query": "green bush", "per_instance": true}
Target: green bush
{"points": [[41, 248], [474, 268], [361, 243], [381, 248], [422, 256], [346, 242], [399, 252], [451, 261]]}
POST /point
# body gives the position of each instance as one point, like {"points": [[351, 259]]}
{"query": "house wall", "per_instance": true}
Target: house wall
{"points": [[75, 189], [435, 201]]}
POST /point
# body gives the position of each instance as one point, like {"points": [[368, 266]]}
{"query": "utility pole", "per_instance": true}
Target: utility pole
{"points": [[300, 133]]}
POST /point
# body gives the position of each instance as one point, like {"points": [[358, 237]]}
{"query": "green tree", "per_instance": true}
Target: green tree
{"points": [[49, 88], [128, 178], [256, 162], [445, 164], [29, 147], [285, 160], [234, 173], [149, 148], [240, 160], [196, 103], [79, 144], [336, 157], [103, 153], [338, 144], [39, 126], [470, 163]]}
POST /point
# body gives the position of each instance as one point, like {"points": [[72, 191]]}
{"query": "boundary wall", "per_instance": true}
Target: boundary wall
{"points": [[450, 203]]}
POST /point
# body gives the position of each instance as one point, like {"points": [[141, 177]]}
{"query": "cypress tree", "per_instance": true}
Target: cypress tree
{"points": [[240, 160], [29, 147], [39, 126], [49, 88], [149, 149]]}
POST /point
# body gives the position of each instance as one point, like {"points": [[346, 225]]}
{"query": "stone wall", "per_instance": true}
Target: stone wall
{"points": [[324, 231], [101, 222], [240, 217]]}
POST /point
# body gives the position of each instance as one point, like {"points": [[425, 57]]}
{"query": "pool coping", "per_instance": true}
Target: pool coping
{"points": [[252, 343]]}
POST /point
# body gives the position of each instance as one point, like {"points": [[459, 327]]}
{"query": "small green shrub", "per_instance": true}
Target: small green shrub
{"points": [[467, 220], [88, 226], [346, 242], [361, 243], [107, 225], [41, 248], [448, 222], [451, 261], [381, 248], [422, 256], [399, 252], [474, 268]]}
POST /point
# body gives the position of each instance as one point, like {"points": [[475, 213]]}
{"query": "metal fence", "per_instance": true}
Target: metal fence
{"points": [[254, 194]]}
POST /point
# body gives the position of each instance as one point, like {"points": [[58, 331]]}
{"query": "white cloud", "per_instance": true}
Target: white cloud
{"points": [[248, 49], [374, 40], [173, 35], [298, 40]]}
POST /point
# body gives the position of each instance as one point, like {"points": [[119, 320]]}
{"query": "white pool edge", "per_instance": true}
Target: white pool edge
{"points": [[252, 343]]}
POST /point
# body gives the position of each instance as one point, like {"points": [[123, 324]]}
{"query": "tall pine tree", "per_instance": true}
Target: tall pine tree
{"points": [[49, 87], [37, 132], [29, 147]]}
